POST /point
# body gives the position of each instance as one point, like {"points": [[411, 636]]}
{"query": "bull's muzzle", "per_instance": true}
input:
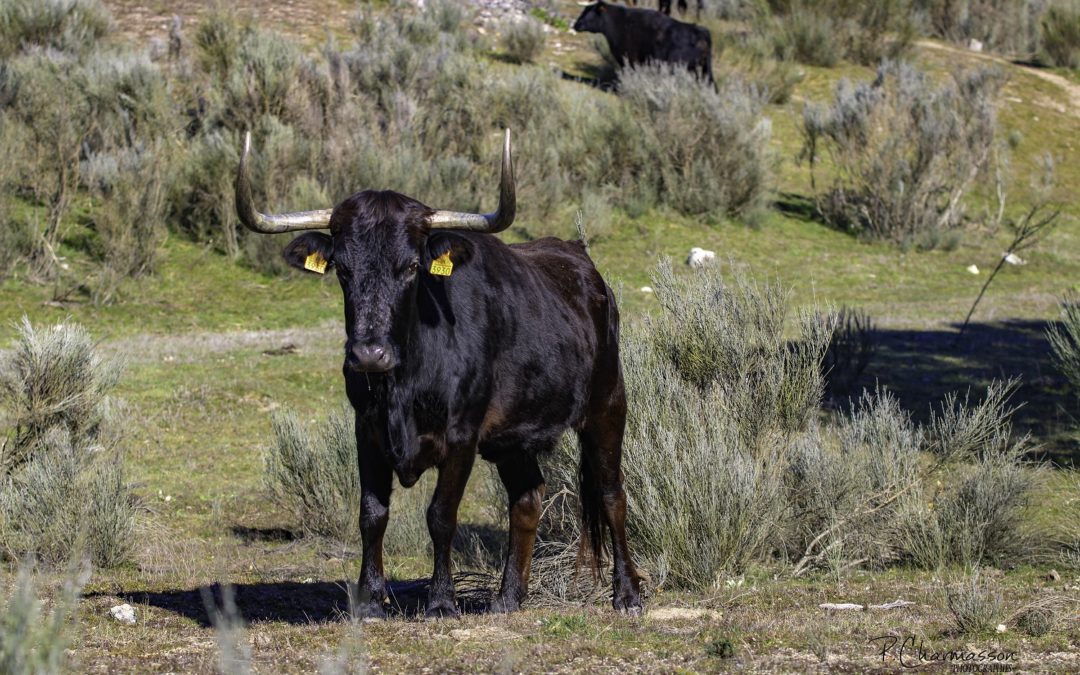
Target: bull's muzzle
{"points": [[370, 358]]}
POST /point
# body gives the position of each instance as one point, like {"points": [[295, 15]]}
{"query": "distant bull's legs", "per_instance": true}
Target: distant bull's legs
{"points": [[601, 445], [525, 490], [442, 524], [375, 482]]}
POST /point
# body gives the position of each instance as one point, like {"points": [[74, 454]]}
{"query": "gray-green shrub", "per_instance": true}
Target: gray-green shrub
{"points": [[1009, 27], [821, 32], [61, 468], [707, 147], [903, 153], [1064, 340], [523, 40], [1061, 35], [65, 25]]}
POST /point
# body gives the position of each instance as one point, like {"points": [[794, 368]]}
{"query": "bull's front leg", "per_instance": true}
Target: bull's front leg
{"points": [[442, 524], [376, 478]]}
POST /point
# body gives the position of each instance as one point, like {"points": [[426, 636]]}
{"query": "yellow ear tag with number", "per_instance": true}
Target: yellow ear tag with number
{"points": [[442, 266], [315, 263]]}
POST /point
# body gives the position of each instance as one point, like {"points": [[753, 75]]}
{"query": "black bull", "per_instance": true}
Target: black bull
{"points": [[501, 356], [637, 36]]}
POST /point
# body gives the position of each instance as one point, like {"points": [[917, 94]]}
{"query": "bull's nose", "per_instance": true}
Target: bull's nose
{"points": [[371, 358]]}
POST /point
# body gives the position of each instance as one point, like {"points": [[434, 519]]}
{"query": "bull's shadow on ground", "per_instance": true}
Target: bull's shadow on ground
{"points": [[921, 366], [306, 603]]}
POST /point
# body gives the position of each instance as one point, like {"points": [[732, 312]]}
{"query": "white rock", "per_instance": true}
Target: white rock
{"points": [[974, 269], [1001, 628], [646, 289], [700, 257], [1013, 259], [124, 613], [975, 45]]}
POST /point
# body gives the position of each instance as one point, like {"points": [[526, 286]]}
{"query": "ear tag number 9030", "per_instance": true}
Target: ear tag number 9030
{"points": [[442, 266]]}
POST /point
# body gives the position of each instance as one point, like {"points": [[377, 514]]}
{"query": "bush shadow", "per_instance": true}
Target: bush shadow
{"points": [[919, 366]]}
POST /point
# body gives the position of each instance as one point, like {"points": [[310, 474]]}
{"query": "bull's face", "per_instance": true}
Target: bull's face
{"points": [[591, 19], [377, 245]]}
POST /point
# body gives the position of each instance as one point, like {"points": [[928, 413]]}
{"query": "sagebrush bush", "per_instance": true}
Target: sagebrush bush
{"points": [[822, 32], [61, 467], [1005, 26], [904, 152], [1064, 340], [64, 25], [708, 147], [1061, 35], [31, 639], [976, 606], [314, 476], [523, 40]]}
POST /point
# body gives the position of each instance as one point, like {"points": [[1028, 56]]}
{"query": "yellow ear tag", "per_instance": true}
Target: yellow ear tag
{"points": [[315, 263], [442, 266]]}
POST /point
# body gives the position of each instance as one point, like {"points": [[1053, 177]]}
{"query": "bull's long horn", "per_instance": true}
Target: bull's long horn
{"points": [[266, 223], [485, 222]]}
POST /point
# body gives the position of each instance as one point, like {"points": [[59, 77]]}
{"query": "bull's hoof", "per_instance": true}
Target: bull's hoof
{"points": [[369, 610], [628, 602], [442, 609]]}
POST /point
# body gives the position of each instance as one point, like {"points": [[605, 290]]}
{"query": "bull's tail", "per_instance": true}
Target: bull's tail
{"points": [[590, 495]]}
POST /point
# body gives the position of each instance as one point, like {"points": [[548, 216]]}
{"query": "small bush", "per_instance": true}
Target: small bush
{"points": [[130, 223], [1061, 35], [976, 606], [1065, 341], [822, 32], [65, 25], [1009, 27], [314, 476], [706, 148], [523, 40], [60, 464], [905, 154], [32, 641]]}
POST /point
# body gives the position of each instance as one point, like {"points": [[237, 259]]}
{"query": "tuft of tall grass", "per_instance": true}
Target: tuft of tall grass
{"points": [[31, 639], [822, 32], [976, 606], [852, 345], [61, 469], [905, 153]]}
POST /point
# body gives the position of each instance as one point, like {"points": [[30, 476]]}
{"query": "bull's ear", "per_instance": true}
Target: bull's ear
{"points": [[459, 248], [311, 252]]}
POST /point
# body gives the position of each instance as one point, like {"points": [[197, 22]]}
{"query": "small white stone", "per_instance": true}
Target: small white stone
{"points": [[975, 45], [1001, 628], [646, 289], [974, 269], [124, 613], [1013, 259]]}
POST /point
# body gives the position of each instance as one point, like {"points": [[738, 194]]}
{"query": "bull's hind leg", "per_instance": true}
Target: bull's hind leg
{"points": [[601, 456], [525, 492], [442, 524]]}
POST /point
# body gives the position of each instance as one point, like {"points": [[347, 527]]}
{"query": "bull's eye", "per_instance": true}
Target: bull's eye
{"points": [[412, 268]]}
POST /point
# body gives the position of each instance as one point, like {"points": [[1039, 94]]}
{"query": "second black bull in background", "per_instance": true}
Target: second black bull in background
{"points": [[637, 36], [457, 343]]}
